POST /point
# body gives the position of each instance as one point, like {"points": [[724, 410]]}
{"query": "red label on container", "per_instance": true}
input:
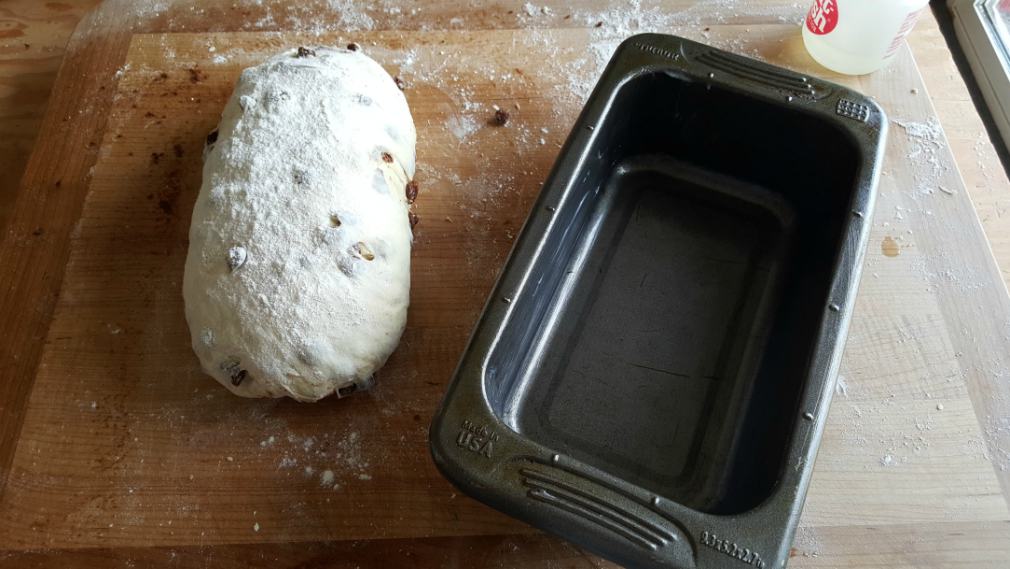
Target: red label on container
{"points": [[906, 26], [822, 17]]}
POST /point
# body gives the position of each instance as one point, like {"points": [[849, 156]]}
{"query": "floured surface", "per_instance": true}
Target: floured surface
{"points": [[126, 443]]}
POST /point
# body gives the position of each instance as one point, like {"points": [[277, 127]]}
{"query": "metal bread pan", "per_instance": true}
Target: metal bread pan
{"points": [[651, 374]]}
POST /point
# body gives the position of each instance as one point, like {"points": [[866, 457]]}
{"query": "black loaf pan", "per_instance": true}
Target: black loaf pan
{"points": [[651, 375]]}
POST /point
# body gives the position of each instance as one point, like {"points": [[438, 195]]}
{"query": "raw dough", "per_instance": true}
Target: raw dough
{"points": [[298, 274]]}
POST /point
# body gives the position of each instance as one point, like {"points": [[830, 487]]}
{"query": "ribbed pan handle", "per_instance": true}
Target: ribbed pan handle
{"points": [[704, 60], [744, 69], [567, 499]]}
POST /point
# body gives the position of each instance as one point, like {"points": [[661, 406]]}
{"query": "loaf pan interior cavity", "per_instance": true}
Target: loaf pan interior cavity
{"points": [[665, 331]]}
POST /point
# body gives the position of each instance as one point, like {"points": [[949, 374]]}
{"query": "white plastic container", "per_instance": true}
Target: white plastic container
{"points": [[856, 37]]}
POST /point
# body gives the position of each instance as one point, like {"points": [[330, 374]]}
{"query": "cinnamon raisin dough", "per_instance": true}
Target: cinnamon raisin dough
{"points": [[298, 273]]}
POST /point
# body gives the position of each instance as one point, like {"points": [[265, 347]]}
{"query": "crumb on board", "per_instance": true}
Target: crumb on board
{"points": [[326, 478], [196, 74], [501, 117]]}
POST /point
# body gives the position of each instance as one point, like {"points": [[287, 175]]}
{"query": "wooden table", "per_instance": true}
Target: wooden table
{"points": [[937, 355]]}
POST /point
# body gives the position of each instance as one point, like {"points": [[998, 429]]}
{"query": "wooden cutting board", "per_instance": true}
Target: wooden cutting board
{"points": [[116, 450]]}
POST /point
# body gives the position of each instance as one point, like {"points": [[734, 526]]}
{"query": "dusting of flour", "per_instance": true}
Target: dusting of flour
{"points": [[297, 277]]}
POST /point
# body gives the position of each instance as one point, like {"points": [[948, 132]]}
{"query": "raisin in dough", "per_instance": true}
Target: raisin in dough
{"points": [[298, 273]]}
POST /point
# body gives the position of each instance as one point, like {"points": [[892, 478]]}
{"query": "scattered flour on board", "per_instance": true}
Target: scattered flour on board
{"points": [[997, 431], [304, 16], [462, 126], [334, 458], [806, 542], [580, 68], [842, 386], [326, 478], [925, 140]]}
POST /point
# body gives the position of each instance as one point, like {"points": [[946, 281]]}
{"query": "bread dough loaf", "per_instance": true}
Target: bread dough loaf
{"points": [[298, 273]]}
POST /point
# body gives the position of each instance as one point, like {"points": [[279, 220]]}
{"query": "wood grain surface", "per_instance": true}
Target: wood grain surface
{"points": [[117, 451], [973, 152], [33, 35]]}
